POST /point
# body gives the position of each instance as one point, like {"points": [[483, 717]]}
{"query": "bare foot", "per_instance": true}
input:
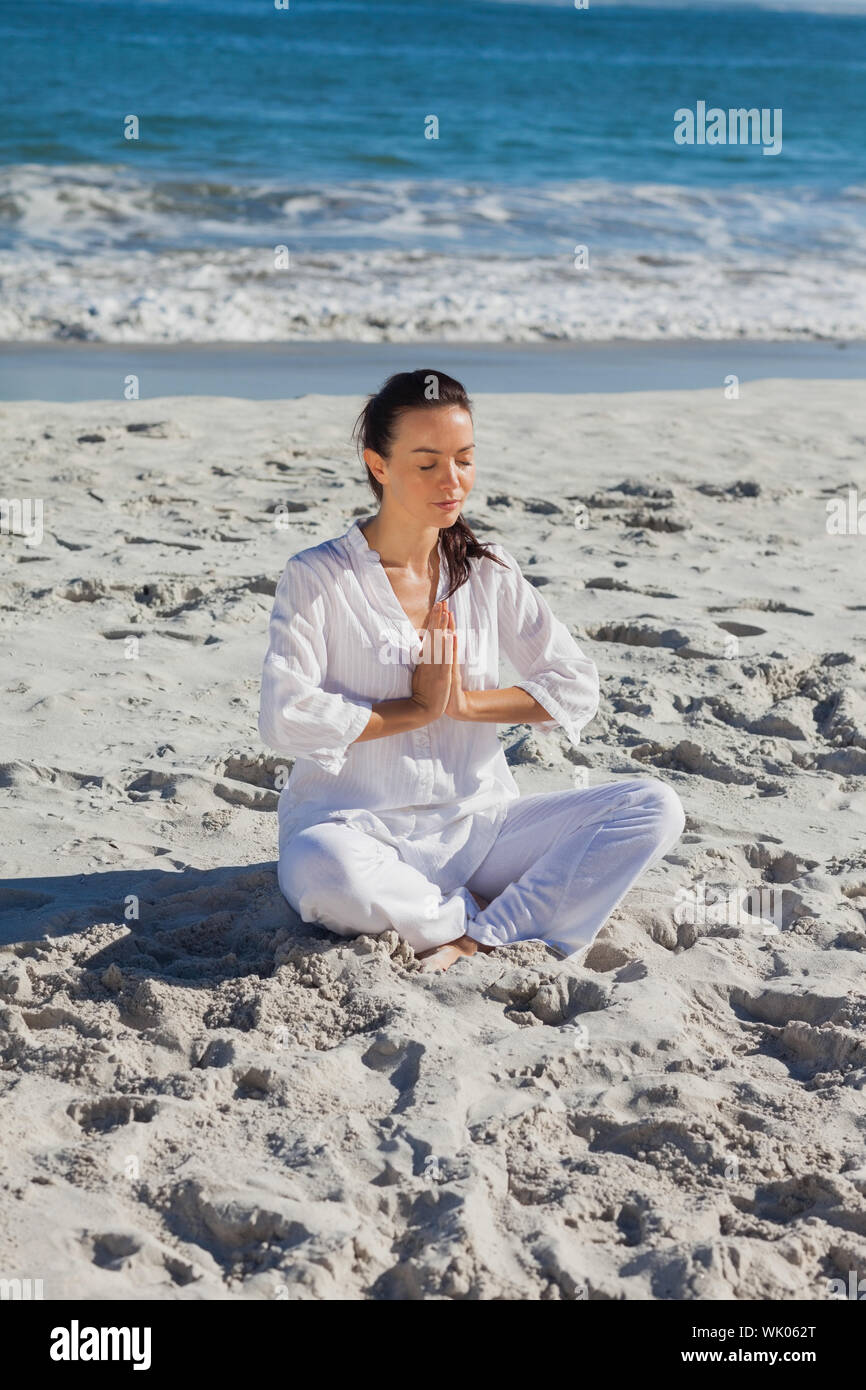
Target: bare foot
{"points": [[441, 957]]}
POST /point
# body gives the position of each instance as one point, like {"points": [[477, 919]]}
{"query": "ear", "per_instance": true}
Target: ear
{"points": [[376, 464]]}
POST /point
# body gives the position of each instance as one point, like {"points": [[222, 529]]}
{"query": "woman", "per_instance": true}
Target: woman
{"points": [[381, 680]]}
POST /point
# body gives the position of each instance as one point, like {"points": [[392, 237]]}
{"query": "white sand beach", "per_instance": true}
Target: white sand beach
{"points": [[203, 1098]]}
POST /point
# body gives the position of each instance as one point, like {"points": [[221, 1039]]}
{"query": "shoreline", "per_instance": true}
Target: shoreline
{"points": [[50, 372]]}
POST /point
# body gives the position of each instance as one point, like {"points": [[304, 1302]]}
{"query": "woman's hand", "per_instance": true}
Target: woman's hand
{"points": [[459, 704], [431, 679]]}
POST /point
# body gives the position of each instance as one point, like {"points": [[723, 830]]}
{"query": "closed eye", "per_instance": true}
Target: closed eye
{"points": [[464, 463]]}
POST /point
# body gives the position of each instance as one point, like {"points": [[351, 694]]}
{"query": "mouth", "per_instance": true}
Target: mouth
{"points": [[446, 506]]}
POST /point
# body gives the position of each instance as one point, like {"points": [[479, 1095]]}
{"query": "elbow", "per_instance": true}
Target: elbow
{"points": [[274, 707], [595, 695], [582, 705], [589, 705], [266, 728], [271, 733], [265, 733], [586, 678]]}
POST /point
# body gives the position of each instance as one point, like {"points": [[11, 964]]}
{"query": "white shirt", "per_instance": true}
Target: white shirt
{"points": [[339, 641]]}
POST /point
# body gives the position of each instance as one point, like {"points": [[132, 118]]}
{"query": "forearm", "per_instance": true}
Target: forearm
{"points": [[393, 717], [512, 705]]}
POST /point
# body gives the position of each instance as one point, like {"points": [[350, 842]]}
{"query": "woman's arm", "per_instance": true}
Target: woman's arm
{"points": [[513, 705], [559, 683], [297, 716], [393, 717]]}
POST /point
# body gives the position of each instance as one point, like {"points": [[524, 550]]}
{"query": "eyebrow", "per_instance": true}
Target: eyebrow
{"points": [[424, 450]]}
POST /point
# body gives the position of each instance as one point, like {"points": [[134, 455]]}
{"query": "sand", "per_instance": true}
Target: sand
{"points": [[204, 1098]]}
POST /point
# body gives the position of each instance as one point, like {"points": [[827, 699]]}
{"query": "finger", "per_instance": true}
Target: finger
{"points": [[440, 648]]}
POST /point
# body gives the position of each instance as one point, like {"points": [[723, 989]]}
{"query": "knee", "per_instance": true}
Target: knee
{"points": [[314, 876], [667, 810]]}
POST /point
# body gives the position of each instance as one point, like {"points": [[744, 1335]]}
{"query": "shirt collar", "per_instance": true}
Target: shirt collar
{"points": [[356, 539]]}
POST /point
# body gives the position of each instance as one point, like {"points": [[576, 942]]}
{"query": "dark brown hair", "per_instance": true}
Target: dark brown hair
{"points": [[376, 427]]}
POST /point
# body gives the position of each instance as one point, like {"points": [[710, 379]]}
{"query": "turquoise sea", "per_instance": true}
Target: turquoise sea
{"points": [[555, 203]]}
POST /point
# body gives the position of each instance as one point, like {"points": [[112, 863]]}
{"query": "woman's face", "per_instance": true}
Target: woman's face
{"points": [[432, 462]]}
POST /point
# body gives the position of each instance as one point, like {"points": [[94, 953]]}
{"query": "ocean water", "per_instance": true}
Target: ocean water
{"points": [[305, 128]]}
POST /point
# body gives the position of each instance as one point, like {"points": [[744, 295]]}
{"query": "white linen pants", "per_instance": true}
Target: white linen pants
{"points": [[561, 863]]}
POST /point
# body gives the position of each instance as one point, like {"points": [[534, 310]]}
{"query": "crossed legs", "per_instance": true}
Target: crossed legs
{"points": [[561, 862]]}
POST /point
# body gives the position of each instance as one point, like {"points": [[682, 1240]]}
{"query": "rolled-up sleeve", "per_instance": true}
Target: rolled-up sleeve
{"points": [[551, 666], [298, 716]]}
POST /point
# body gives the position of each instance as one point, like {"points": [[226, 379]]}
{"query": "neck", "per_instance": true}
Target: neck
{"points": [[403, 544]]}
